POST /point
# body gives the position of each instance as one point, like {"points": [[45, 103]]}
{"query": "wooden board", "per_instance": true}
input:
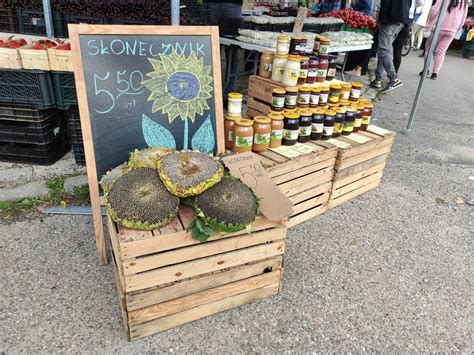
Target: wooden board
{"points": [[116, 115]]}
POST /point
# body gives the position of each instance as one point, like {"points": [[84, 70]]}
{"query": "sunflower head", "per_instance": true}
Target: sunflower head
{"points": [[180, 85]]}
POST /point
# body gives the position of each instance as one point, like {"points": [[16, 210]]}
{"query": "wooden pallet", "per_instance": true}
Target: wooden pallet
{"points": [[166, 279], [260, 94], [360, 162], [305, 179]]}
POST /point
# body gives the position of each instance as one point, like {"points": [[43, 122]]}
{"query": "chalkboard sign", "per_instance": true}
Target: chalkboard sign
{"points": [[145, 86]]}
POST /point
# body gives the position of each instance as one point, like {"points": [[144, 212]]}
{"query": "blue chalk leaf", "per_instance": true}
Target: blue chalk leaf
{"points": [[156, 135], [204, 138]]}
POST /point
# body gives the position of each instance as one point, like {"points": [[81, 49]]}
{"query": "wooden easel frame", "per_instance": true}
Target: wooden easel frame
{"points": [[75, 31]]}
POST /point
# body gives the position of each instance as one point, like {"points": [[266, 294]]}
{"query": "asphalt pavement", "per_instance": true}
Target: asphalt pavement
{"points": [[390, 271]]}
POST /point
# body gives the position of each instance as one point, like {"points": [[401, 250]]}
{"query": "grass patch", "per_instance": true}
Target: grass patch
{"points": [[10, 208], [81, 192]]}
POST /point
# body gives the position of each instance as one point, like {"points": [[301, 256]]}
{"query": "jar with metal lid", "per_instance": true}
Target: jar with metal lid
{"points": [[278, 67], [324, 44], [288, 110], [353, 100], [283, 44], [366, 116], [329, 118], [298, 45], [339, 122], [356, 89], [234, 104], [314, 97], [331, 69], [262, 128], [335, 91], [291, 128], [312, 69], [322, 68], [277, 129], [278, 99], [362, 100], [243, 135], [304, 94], [302, 45], [229, 124], [333, 105], [317, 43], [324, 96], [292, 71], [345, 91], [317, 124], [266, 61], [291, 98], [304, 65], [343, 103], [358, 119], [306, 117], [349, 121]]}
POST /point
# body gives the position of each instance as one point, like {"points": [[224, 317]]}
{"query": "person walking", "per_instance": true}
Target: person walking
{"points": [[326, 6], [453, 21], [420, 16], [393, 16]]}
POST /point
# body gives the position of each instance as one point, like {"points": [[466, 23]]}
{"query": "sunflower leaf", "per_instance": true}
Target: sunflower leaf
{"points": [[156, 135], [204, 138]]}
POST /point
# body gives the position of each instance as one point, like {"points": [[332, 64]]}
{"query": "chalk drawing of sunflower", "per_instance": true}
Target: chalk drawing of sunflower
{"points": [[180, 86]]}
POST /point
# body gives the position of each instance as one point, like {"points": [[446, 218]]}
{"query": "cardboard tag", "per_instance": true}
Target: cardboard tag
{"points": [[358, 138], [247, 166], [377, 130], [339, 144], [300, 17]]}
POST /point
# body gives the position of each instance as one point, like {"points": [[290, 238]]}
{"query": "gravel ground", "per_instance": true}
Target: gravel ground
{"points": [[388, 271]]}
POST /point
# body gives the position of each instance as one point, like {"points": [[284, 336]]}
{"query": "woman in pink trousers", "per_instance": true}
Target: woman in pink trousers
{"points": [[452, 23]]}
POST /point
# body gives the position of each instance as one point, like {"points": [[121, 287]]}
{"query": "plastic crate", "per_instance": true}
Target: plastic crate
{"points": [[9, 111], [32, 22], [195, 15], [65, 89], [78, 18], [40, 154], [27, 86], [126, 21], [79, 154], [313, 27], [8, 20]]}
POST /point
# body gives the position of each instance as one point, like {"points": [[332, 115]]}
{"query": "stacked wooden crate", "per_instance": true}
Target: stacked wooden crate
{"points": [[304, 174], [165, 278], [360, 162]]}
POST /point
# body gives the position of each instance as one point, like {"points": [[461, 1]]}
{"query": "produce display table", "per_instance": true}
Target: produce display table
{"points": [[165, 278]]}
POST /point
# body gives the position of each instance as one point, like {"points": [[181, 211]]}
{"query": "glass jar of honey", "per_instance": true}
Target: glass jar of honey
{"points": [[276, 134], [243, 135], [262, 128], [265, 68], [229, 124]]}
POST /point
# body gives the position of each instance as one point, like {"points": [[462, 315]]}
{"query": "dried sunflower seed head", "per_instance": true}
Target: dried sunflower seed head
{"points": [[148, 157], [111, 176]]}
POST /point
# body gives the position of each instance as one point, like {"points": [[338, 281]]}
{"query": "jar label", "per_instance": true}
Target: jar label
{"points": [[335, 94], [234, 107], [312, 72], [338, 127], [292, 73], [345, 94], [278, 102], [358, 122], [314, 99], [317, 127], [267, 67], [290, 100], [276, 135], [323, 48], [261, 138], [290, 134], [305, 131], [321, 73], [303, 73], [328, 131], [348, 126], [301, 47], [244, 142], [230, 137], [303, 98], [366, 119], [323, 98], [355, 93], [332, 72]]}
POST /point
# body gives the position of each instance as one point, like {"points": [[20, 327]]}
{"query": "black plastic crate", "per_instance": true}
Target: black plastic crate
{"points": [[27, 86], [10, 111], [34, 131], [79, 18], [65, 89], [195, 15], [40, 154], [126, 21], [32, 22], [8, 20], [313, 27], [282, 27], [79, 154]]}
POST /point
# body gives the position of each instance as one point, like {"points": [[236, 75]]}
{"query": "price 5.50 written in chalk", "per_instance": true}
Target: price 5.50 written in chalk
{"points": [[109, 88]]}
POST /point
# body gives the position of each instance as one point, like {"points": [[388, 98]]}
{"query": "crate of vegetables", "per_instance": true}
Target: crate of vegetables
{"points": [[9, 55], [35, 55], [354, 21], [60, 58]]}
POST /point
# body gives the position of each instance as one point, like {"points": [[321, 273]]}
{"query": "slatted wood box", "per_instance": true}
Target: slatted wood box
{"points": [[260, 94], [360, 163], [34, 59], [166, 279], [60, 60], [305, 179]]}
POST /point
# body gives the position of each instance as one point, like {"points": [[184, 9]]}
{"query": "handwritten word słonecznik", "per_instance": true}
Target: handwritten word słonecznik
{"points": [[139, 48]]}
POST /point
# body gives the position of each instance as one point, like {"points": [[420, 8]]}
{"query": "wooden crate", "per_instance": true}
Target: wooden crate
{"points": [[360, 162], [260, 94], [60, 60], [10, 58], [166, 279], [34, 59], [306, 179]]}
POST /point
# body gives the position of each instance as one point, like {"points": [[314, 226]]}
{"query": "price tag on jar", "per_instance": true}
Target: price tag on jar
{"points": [[247, 166]]}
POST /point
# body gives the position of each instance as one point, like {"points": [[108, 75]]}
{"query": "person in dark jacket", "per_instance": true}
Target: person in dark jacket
{"points": [[393, 16]]}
